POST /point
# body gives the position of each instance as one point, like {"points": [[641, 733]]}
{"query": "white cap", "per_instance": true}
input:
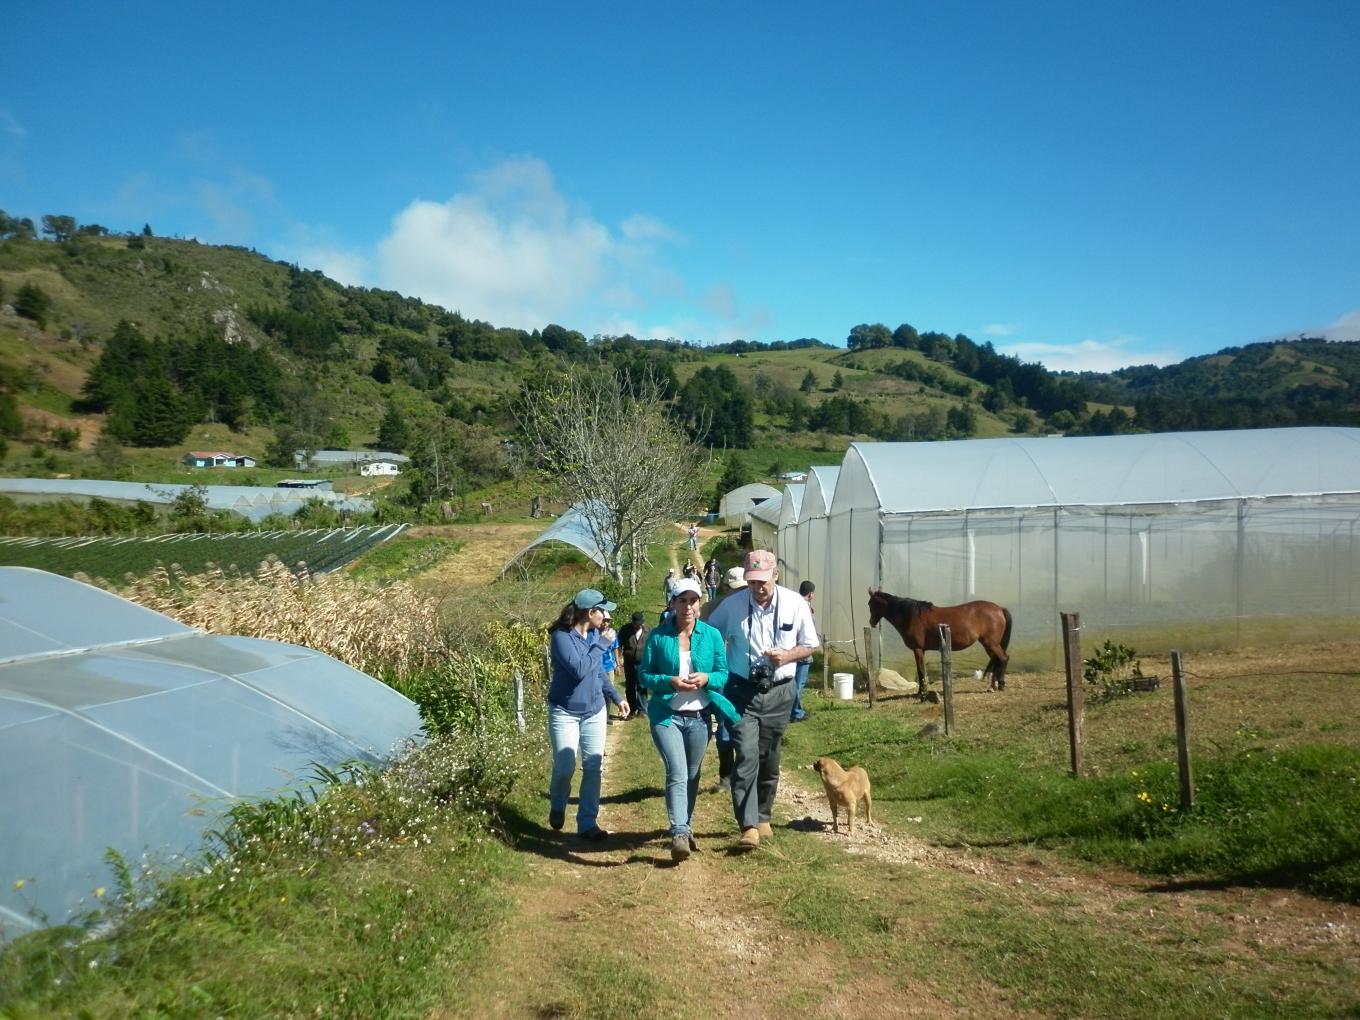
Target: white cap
{"points": [[686, 584]]}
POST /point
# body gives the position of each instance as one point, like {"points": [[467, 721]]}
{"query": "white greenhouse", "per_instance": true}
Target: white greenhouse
{"points": [[765, 520], [1203, 537], [736, 506], [122, 729]]}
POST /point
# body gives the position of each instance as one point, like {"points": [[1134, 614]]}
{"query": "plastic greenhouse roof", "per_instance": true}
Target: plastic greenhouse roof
{"points": [[571, 529], [121, 728], [253, 502], [821, 487], [1174, 467], [792, 505], [770, 510]]}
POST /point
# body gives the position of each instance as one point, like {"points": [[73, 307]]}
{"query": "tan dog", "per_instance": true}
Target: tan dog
{"points": [[845, 790]]}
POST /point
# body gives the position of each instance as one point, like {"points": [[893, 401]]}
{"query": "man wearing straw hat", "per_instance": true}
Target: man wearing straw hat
{"points": [[768, 630]]}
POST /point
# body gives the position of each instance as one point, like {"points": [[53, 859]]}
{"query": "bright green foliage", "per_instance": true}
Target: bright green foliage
{"points": [[394, 435]]}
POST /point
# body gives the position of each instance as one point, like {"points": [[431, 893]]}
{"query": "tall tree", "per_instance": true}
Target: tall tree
{"points": [[59, 228], [394, 435], [617, 455], [809, 382]]}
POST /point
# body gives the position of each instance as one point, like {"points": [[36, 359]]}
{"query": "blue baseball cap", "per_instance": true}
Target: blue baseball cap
{"points": [[589, 598]]}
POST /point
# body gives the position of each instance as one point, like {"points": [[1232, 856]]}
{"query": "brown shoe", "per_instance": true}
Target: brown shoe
{"points": [[750, 839], [765, 831]]}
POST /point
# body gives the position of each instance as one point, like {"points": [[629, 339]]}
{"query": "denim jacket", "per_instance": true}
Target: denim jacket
{"points": [[661, 661]]}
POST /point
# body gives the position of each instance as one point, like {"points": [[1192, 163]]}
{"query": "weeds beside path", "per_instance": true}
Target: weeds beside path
{"points": [[879, 925]]}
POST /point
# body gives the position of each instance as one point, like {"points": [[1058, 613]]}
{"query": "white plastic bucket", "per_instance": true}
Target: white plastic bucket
{"points": [[845, 685]]}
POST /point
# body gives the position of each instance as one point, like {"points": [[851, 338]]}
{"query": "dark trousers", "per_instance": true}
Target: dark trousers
{"points": [[631, 691], [757, 739]]}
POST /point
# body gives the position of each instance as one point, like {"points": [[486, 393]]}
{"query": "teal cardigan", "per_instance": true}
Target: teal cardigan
{"points": [[661, 661]]}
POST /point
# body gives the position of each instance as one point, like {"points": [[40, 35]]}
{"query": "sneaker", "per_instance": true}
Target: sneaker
{"points": [[765, 831], [750, 839], [595, 835], [557, 819], [693, 843], [679, 848]]}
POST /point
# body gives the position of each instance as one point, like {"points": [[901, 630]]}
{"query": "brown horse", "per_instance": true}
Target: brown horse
{"points": [[919, 624]]}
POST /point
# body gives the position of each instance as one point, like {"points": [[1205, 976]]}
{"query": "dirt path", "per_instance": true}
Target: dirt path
{"points": [[617, 930], [488, 547]]}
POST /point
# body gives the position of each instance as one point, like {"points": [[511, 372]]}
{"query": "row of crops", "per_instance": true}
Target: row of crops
{"points": [[321, 549]]}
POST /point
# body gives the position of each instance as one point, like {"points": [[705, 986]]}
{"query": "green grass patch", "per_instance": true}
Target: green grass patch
{"points": [[404, 558]]}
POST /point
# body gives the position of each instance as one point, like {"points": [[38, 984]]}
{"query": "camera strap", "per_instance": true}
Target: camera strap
{"points": [[750, 627]]}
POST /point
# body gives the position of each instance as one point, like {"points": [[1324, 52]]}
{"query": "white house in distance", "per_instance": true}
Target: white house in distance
{"points": [[349, 460], [379, 468], [213, 458]]}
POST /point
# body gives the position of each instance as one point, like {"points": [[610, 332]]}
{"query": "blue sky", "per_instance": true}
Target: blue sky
{"points": [[1088, 185]]}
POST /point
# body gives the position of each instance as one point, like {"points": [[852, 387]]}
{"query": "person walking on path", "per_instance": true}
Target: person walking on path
{"points": [[684, 668], [632, 641], [694, 538], [800, 676], [668, 583], [767, 630], [723, 738], [712, 578], [577, 717]]}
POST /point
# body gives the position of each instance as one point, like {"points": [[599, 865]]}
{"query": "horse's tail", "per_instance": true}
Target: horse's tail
{"points": [[1006, 634]]}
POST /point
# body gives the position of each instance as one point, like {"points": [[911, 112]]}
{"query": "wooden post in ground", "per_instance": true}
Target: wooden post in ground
{"points": [[947, 677], [519, 702], [1182, 734], [871, 657], [1076, 698], [826, 669]]}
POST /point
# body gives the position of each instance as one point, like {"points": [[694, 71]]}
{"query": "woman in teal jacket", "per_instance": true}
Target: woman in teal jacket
{"points": [[684, 666]]}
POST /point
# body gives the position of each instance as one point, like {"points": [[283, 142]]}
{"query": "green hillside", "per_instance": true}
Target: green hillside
{"points": [[119, 353]]}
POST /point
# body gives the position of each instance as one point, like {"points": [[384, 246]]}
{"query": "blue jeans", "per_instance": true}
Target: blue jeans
{"points": [[568, 733], [799, 682], [681, 745]]}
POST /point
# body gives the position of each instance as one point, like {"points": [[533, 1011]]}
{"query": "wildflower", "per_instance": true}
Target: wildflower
{"points": [[99, 893], [19, 883]]}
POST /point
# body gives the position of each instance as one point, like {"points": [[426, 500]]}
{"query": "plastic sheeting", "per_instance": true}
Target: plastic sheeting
{"points": [[1204, 530], [736, 506], [790, 509], [253, 502], [765, 523], [121, 728], [571, 529], [810, 534]]}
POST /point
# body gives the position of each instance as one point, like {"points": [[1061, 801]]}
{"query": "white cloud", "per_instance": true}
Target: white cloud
{"points": [[998, 329], [511, 249], [1089, 355]]}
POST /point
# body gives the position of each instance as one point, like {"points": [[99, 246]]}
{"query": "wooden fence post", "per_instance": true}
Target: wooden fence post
{"points": [[1076, 698], [947, 677], [1182, 734], [519, 701], [870, 655], [826, 669]]}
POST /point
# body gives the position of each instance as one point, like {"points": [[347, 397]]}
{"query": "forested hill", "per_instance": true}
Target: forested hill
{"points": [[139, 339]]}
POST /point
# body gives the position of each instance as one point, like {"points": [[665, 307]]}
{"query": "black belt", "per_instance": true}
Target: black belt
{"points": [[689, 713], [734, 678]]}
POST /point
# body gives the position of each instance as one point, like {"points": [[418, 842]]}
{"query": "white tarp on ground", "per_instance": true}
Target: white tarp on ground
{"points": [[736, 506], [121, 728], [1155, 531]]}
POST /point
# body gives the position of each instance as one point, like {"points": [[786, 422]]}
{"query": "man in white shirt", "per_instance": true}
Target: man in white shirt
{"points": [[767, 629]]}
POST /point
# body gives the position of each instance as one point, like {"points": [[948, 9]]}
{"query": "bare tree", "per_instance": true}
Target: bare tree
{"points": [[616, 455]]}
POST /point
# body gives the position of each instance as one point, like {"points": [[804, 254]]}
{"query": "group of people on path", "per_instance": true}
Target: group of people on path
{"points": [[744, 668]]}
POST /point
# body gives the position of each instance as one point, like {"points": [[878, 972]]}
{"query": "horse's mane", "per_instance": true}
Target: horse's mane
{"points": [[902, 602]]}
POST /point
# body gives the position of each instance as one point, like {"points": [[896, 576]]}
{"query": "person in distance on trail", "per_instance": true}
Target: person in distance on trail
{"points": [[668, 583], [768, 629], [684, 669], [577, 716], [694, 538], [712, 578], [800, 677], [632, 640]]}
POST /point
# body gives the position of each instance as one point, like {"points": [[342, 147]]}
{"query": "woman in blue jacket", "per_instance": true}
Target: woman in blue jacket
{"points": [[684, 667], [577, 716]]}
